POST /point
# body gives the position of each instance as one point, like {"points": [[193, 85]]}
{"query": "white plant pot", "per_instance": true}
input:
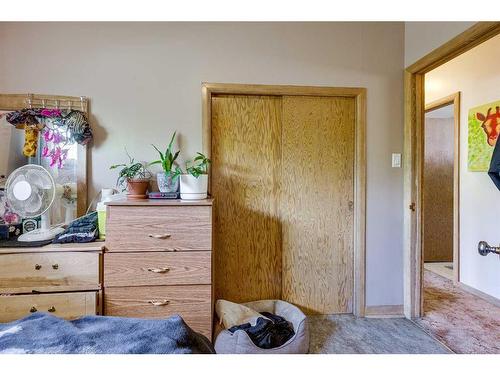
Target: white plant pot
{"points": [[194, 187]]}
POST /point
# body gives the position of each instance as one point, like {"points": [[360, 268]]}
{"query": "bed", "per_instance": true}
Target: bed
{"points": [[41, 333]]}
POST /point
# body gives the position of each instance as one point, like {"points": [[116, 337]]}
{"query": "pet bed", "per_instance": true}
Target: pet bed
{"points": [[240, 343]]}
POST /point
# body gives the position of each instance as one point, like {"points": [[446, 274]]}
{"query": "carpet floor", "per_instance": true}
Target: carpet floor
{"points": [[346, 334], [463, 322]]}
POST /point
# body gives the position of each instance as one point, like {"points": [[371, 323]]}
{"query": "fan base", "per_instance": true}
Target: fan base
{"points": [[40, 235]]}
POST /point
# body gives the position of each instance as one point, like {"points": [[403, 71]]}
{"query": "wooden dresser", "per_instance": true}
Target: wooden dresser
{"points": [[158, 260], [61, 279]]}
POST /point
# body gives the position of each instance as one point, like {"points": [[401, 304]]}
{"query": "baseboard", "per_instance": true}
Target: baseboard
{"points": [[478, 293], [384, 311]]}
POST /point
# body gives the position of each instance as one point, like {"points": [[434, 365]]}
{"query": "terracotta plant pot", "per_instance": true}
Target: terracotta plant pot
{"points": [[137, 189]]}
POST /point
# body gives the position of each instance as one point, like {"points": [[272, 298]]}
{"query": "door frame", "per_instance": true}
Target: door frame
{"points": [[357, 93], [414, 103], [453, 99]]}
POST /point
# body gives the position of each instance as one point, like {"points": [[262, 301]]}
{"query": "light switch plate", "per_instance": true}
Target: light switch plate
{"points": [[396, 160]]}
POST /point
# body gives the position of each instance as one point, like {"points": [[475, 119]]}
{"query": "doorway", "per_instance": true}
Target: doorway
{"points": [[413, 155], [441, 187], [277, 187]]}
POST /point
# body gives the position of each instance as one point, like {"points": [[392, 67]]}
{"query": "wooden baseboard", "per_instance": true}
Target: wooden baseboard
{"points": [[478, 293], [384, 311]]}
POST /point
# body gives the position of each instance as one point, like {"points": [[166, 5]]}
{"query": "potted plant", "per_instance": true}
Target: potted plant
{"points": [[133, 177], [194, 184], [168, 180]]}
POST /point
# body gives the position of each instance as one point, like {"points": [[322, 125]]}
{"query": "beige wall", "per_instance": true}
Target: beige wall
{"points": [[423, 37], [476, 74], [144, 82]]}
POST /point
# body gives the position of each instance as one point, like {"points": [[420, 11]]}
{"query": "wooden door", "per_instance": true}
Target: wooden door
{"points": [[438, 189], [245, 177], [283, 181], [317, 202]]}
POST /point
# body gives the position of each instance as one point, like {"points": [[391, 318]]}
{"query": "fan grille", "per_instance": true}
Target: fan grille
{"points": [[42, 190]]}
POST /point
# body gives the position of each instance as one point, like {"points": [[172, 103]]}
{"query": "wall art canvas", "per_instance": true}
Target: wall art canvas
{"points": [[484, 128]]}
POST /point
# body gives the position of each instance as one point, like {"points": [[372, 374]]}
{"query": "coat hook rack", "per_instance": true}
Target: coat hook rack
{"points": [[29, 100]]}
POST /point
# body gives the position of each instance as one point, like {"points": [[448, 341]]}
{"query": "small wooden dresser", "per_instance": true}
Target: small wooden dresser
{"points": [[61, 279], [158, 260]]}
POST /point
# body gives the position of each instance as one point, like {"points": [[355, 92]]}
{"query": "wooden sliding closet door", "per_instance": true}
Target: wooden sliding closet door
{"points": [[317, 202], [245, 177]]}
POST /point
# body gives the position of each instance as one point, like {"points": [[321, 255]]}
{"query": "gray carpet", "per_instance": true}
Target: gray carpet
{"points": [[346, 334]]}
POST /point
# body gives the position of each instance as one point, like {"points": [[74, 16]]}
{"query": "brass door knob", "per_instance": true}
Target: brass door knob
{"points": [[33, 309], [52, 309]]}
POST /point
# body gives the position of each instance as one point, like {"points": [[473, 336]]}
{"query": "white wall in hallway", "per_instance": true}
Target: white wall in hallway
{"points": [[476, 74]]}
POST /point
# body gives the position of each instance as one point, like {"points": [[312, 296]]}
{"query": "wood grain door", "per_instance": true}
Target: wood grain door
{"points": [[317, 202], [283, 182], [246, 170], [438, 189]]}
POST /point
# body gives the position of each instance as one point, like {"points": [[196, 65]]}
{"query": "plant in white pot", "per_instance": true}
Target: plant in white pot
{"points": [[194, 184], [168, 179]]}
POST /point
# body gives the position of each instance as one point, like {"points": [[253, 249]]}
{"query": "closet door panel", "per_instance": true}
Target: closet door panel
{"points": [[317, 202], [245, 177]]}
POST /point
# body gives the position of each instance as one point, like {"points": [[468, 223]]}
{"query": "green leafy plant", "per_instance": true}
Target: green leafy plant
{"points": [[200, 165], [131, 171], [167, 160]]}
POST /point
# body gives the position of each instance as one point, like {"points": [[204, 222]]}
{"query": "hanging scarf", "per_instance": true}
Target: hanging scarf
{"points": [[32, 120]]}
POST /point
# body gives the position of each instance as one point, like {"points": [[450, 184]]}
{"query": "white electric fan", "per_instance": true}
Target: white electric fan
{"points": [[30, 191]]}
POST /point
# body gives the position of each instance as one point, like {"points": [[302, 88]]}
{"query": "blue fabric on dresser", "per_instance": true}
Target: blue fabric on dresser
{"points": [[40, 333]]}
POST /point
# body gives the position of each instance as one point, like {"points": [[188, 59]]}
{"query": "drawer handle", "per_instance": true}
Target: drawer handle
{"points": [[38, 267], [33, 309], [55, 266], [52, 309], [159, 303], [160, 236], [159, 270]]}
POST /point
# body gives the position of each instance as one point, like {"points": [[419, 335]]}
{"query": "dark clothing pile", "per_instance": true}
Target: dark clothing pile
{"points": [[267, 333], [494, 170], [83, 229]]}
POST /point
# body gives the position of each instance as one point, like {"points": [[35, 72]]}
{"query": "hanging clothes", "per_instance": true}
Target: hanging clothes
{"points": [[32, 120], [27, 119], [78, 126]]}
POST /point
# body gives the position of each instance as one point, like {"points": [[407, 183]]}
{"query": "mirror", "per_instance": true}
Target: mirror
{"points": [[64, 158]]}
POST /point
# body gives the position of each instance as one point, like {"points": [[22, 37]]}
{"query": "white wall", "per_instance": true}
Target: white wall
{"points": [[423, 37], [144, 82], [476, 74]]}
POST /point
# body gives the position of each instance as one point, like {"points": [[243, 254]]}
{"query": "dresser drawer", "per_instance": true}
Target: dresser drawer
{"points": [[64, 305], [58, 271], [150, 228], [191, 302], [155, 268]]}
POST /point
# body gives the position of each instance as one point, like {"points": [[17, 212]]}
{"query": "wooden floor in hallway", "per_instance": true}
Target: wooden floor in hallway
{"points": [[463, 322]]}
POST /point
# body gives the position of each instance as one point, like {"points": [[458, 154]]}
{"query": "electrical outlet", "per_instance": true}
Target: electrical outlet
{"points": [[396, 160]]}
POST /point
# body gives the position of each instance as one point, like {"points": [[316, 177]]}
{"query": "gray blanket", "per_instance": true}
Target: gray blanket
{"points": [[45, 333]]}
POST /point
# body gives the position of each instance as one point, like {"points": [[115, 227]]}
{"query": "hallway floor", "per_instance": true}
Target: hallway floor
{"points": [[346, 334], [463, 322], [444, 269]]}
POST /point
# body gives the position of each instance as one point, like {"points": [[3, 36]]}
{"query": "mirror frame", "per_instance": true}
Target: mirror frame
{"points": [[14, 102]]}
